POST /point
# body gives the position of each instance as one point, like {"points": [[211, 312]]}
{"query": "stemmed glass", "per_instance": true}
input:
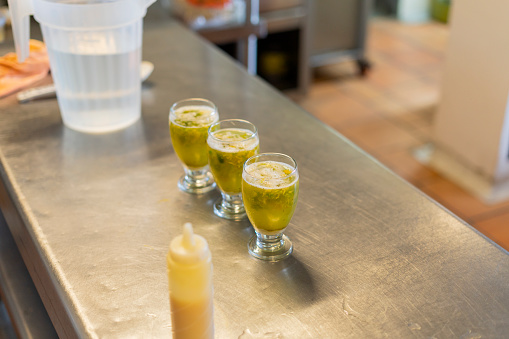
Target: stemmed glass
{"points": [[190, 120], [231, 142], [270, 188]]}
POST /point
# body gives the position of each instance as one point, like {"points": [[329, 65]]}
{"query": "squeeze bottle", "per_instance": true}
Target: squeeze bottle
{"points": [[190, 281]]}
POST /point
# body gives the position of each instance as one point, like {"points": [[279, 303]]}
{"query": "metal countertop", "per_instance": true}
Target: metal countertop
{"points": [[93, 216]]}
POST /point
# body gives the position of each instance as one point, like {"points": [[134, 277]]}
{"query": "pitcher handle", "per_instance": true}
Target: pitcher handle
{"points": [[20, 11], [148, 3]]}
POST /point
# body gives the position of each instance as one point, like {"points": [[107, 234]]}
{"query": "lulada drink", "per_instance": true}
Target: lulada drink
{"points": [[188, 129], [270, 190], [228, 150]]}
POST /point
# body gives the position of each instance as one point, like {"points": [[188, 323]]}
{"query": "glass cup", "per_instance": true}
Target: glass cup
{"points": [[231, 143], [190, 120], [270, 188]]}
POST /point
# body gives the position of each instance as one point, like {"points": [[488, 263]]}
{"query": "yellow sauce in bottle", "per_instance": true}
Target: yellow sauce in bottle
{"points": [[190, 282]]}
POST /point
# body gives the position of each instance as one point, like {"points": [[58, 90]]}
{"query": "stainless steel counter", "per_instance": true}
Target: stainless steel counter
{"points": [[93, 215]]}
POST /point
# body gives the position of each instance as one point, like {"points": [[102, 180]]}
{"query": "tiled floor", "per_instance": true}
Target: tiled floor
{"points": [[389, 112]]}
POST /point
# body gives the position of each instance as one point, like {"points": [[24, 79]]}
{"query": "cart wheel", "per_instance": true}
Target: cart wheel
{"points": [[363, 66]]}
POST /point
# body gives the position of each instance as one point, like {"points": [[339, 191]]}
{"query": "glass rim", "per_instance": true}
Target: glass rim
{"points": [[255, 132], [294, 171], [203, 100]]}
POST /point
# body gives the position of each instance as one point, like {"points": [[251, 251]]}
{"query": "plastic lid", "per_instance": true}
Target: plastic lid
{"points": [[89, 15], [189, 248], [76, 15]]}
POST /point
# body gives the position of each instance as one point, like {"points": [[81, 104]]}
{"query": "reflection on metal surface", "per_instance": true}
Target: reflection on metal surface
{"points": [[247, 334], [414, 326], [471, 335], [348, 310]]}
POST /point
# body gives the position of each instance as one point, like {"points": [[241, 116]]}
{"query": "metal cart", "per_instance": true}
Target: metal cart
{"points": [[338, 31]]}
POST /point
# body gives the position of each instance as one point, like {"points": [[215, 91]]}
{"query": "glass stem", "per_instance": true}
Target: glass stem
{"points": [[269, 243], [232, 202], [197, 175], [196, 181]]}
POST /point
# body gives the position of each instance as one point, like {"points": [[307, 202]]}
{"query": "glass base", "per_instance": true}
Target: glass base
{"points": [[270, 247], [198, 184], [230, 207]]}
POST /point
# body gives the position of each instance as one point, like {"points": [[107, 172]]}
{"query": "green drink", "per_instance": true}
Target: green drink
{"points": [[270, 188], [227, 157], [270, 192], [230, 144], [189, 130], [190, 120]]}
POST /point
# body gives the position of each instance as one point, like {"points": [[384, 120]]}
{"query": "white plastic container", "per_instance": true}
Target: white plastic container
{"points": [[414, 11], [189, 265], [94, 49]]}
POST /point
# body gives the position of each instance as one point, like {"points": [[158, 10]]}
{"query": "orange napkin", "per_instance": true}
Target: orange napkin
{"points": [[15, 76], [209, 3]]}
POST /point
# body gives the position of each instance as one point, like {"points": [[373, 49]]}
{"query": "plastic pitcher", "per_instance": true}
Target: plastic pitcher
{"points": [[94, 49]]}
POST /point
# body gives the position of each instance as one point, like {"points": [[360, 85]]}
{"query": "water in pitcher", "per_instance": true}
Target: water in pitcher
{"points": [[105, 99], [94, 50]]}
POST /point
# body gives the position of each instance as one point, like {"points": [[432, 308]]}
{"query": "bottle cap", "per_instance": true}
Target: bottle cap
{"points": [[189, 248]]}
